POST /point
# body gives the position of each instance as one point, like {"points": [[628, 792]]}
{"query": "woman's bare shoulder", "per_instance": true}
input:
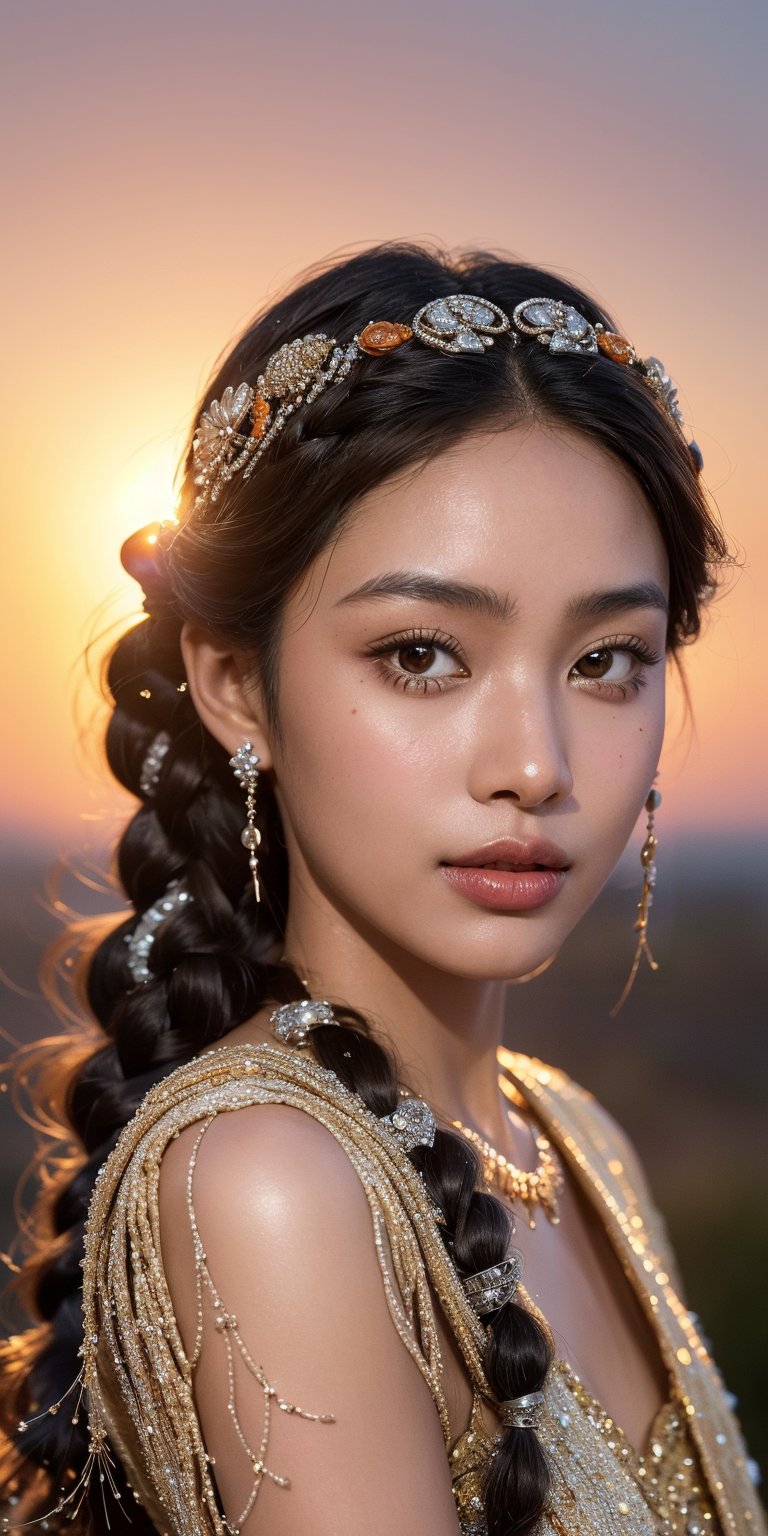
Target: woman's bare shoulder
{"points": [[261, 1160], [287, 1235], [262, 1182]]}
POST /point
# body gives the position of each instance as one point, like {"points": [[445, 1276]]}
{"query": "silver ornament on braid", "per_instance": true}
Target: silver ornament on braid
{"points": [[489, 1289], [413, 1123], [234, 432], [522, 1412], [292, 1022], [140, 942], [152, 762]]}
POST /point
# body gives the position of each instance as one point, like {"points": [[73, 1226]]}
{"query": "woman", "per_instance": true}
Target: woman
{"points": [[392, 716]]}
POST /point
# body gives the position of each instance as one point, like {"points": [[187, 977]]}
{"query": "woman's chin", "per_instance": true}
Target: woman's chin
{"points": [[483, 964]]}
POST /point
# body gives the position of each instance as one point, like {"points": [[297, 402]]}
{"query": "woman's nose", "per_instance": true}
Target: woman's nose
{"points": [[521, 753]]}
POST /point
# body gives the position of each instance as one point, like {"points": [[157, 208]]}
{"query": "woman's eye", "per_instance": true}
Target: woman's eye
{"points": [[606, 664], [618, 666], [419, 661], [426, 659]]}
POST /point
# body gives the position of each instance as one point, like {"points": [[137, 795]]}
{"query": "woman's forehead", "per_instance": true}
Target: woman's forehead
{"points": [[523, 509]]}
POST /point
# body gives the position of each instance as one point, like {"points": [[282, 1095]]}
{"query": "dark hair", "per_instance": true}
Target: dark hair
{"points": [[232, 570]]}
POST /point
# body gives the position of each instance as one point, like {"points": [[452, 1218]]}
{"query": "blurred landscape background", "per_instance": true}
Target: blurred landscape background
{"points": [[171, 167]]}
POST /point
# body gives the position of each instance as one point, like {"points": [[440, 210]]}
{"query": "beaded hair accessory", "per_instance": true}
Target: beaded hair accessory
{"points": [[488, 1289], [149, 772], [174, 898], [235, 431], [292, 1022], [522, 1412], [413, 1123]]}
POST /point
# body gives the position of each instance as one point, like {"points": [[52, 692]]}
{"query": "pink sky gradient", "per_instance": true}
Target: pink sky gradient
{"points": [[173, 165]]}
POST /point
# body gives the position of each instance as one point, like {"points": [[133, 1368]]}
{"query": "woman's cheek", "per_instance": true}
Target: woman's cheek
{"points": [[356, 800], [612, 789]]}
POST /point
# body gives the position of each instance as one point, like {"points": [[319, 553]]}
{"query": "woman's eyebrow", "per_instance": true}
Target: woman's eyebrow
{"points": [[494, 605], [435, 589], [595, 605]]}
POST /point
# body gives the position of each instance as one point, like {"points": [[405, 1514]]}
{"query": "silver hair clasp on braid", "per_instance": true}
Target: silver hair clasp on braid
{"points": [[140, 942], [489, 1289], [412, 1123], [522, 1412], [292, 1022]]}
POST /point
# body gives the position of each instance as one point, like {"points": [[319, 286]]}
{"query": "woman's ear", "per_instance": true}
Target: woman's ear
{"points": [[228, 707]]}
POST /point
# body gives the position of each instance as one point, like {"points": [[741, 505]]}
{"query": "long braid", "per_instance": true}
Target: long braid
{"points": [[477, 1232], [209, 972]]}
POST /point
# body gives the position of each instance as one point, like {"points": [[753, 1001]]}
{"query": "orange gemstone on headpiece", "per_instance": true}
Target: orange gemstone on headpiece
{"points": [[259, 414], [382, 336], [617, 347]]}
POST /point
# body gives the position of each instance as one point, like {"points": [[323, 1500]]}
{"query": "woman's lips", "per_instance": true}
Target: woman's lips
{"points": [[505, 890]]}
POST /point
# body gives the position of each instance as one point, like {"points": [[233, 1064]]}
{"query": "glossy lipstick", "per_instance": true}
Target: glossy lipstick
{"points": [[535, 871]]}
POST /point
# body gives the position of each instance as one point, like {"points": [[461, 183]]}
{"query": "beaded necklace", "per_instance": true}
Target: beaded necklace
{"points": [[541, 1186]]}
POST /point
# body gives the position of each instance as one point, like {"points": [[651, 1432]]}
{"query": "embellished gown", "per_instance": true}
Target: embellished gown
{"points": [[691, 1478]]}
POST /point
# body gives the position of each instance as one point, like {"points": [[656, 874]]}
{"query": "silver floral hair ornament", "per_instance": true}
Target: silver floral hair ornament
{"points": [[412, 1124], [460, 323], [235, 431]]}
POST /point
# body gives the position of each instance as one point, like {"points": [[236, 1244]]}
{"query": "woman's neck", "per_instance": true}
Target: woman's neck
{"points": [[444, 1029]]}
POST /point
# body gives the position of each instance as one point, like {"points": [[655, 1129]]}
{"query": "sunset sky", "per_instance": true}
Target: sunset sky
{"points": [[172, 165]]}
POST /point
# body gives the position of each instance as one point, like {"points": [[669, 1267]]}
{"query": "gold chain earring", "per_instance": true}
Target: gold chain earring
{"points": [[244, 764], [538, 970], [647, 859]]}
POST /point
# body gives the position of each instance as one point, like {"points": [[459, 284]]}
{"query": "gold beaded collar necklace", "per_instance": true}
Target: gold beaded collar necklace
{"points": [[541, 1186]]}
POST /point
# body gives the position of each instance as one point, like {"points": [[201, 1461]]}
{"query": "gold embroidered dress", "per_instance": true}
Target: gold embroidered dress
{"points": [[692, 1478]]}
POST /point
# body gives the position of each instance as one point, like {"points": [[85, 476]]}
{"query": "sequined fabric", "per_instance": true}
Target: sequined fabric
{"points": [[692, 1476], [601, 1163]]}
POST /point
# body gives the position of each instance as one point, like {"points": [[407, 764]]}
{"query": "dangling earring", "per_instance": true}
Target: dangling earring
{"points": [[244, 765], [647, 859], [538, 970]]}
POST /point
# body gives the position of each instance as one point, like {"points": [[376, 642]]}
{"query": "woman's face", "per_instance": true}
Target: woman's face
{"points": [[420, 727]]}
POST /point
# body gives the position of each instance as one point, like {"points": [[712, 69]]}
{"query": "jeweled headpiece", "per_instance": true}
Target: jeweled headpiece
{"points": [[236, 430]]}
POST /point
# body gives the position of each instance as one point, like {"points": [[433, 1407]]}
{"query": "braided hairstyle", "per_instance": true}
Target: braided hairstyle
{"points": [[232, 571]]}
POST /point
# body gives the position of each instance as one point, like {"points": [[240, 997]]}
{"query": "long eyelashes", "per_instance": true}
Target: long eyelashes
{"points": [[625, 645], [436, 640], [428, 639]]}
